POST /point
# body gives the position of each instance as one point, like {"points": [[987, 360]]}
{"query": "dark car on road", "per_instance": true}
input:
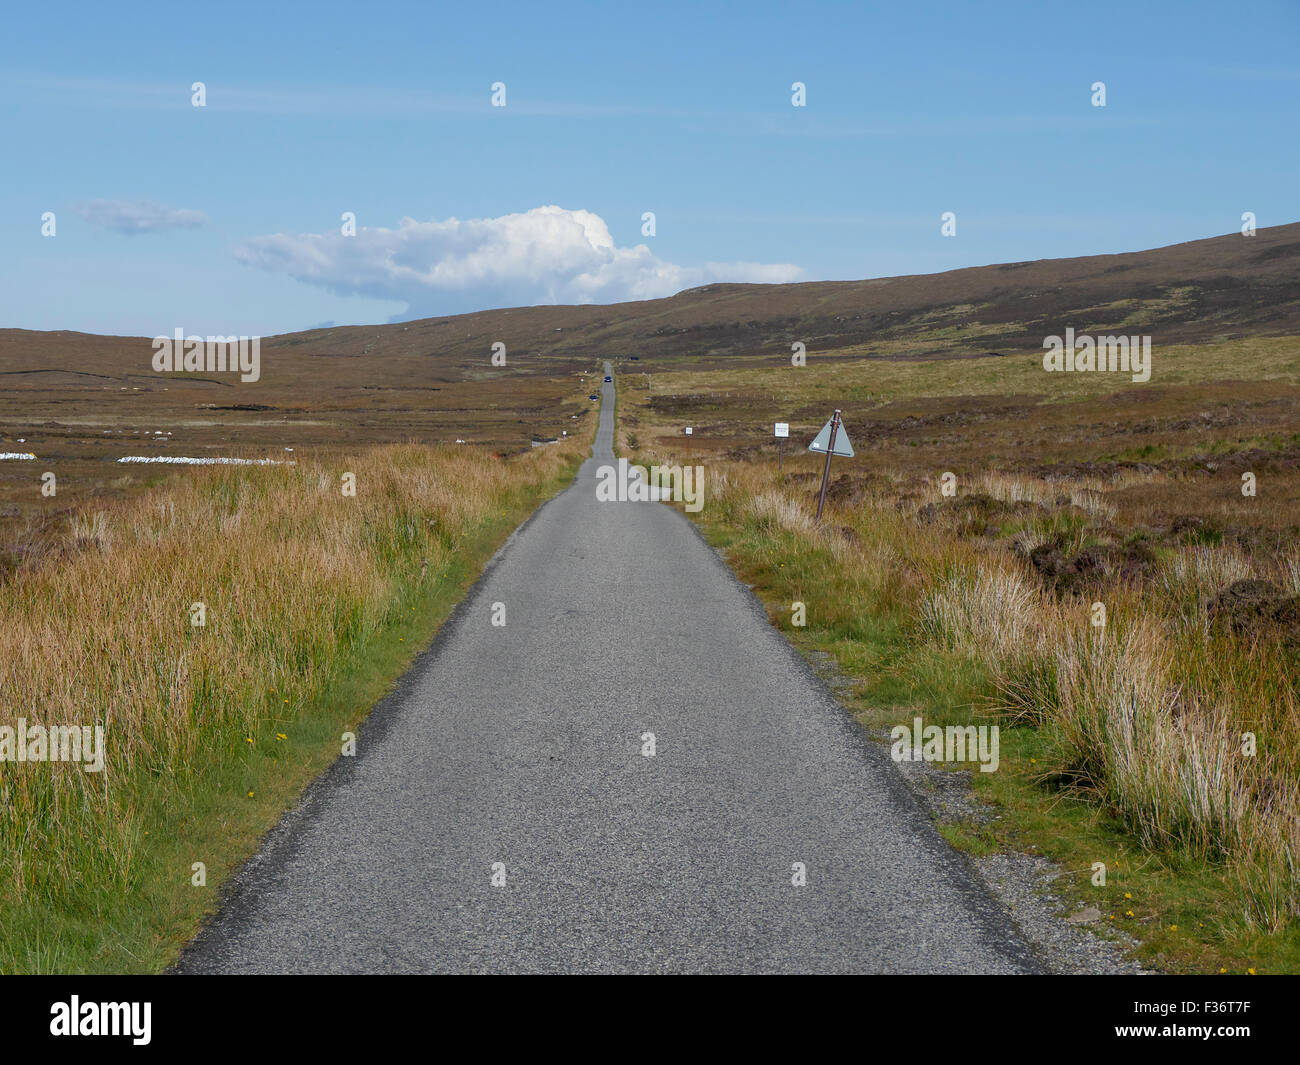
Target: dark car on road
{"points": [[608, 379]]}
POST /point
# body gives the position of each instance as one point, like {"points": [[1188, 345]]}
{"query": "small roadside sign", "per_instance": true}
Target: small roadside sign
{"points": [[823, 439], [688, 430], [832, 440], [782, 428]]}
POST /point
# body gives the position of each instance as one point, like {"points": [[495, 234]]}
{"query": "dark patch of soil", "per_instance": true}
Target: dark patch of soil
{"points": [[976, 514], [1254, 606], [1089, 569]]}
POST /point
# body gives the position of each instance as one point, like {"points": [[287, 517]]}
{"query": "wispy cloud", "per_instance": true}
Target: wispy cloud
{"points": [[308, 100], [542, 256], [793, 123], [778, 120], [1259, 73], [133, 217]]}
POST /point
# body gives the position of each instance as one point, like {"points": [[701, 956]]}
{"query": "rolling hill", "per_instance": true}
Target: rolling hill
{"points": [[80, 402]]}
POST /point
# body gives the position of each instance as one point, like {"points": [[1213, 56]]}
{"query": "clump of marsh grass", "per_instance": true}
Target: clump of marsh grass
{"points": [[292, 576], [1191, 575]]}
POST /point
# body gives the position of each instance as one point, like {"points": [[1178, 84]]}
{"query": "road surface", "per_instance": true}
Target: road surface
{"points": [[515, 753]]}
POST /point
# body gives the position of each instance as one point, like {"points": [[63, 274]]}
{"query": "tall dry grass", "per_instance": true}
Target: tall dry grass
{"points": [[1152, 717], [292, 575], [1148, 713]]}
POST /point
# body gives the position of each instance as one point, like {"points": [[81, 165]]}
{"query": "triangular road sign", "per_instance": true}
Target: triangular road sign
{"points": [[842, 445]]}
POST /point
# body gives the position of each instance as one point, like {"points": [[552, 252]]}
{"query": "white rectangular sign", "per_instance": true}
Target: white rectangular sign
{"points": [[782, 428], [688, 430]]}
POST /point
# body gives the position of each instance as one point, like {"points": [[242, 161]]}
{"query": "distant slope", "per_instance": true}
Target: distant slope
{"points": [[80, 402], [1205, 289], [1185, 292]]}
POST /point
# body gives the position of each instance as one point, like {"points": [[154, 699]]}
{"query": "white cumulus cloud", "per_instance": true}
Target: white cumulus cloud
{"points": [[138, 216], [545, 255]]}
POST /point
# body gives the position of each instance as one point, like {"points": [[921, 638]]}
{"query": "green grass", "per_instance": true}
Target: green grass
{"points": [[133, 914], [872, 382], [1184, 911]]}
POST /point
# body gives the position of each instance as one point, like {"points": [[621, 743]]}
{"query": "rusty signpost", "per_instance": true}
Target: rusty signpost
{"points": [[832, 440]]}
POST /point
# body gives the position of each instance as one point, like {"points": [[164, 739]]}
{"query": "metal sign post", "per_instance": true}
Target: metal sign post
{"points": [[782, 431], [826, 470], [833, 441]]}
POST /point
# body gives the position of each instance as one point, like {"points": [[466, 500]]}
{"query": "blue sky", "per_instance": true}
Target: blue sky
{"points": [[612, 110]]}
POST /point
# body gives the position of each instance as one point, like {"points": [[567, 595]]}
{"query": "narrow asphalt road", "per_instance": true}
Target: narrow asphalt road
{"points": [[517, 750]]}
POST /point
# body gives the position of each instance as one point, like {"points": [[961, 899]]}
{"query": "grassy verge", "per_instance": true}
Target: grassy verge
{"points": [[1121, 743], [313, 602]]}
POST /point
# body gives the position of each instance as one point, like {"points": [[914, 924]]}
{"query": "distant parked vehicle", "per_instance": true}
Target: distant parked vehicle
{"points": [[608, 379], [593, 396]]}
